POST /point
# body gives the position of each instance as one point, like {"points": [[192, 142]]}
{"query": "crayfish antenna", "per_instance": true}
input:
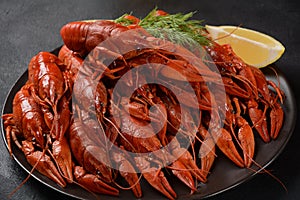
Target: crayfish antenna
{"points": [[229, 34], [250, 160], [121, 134], [280, 93], [267, 172], [30, 173]]}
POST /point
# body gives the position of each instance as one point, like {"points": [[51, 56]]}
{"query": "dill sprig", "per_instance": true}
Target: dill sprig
{"points": [[123, 20], [178, 28]]}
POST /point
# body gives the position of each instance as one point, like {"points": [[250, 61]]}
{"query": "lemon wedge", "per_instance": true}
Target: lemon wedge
{"points": [[253, 47]]}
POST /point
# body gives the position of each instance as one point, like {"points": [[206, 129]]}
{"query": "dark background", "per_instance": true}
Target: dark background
{"points": [[27, 27]]}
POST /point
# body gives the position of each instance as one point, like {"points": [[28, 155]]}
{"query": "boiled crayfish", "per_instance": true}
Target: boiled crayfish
{"points": [[70, 118]]}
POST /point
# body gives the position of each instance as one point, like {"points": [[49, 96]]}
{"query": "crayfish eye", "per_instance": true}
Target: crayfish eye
{"points": [[98, 173]]}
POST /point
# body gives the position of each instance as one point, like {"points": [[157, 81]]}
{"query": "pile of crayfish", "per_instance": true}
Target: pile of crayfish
{"points": [[115, 93]]}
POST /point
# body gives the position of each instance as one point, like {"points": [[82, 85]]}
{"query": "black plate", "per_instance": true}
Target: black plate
{"points": [[225, 175]]}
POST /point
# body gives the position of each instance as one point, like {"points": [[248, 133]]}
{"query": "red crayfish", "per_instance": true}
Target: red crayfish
{"points": [[70, 119]]}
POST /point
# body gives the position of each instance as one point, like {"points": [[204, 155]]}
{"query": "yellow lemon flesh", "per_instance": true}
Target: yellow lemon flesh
{"points": [[254, 48]]}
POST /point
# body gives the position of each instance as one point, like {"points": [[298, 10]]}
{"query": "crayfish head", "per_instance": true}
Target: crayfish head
{"points": [[38, 137]]}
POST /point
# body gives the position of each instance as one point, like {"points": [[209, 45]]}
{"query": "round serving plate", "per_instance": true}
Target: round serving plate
{"points": [[224, 174]]}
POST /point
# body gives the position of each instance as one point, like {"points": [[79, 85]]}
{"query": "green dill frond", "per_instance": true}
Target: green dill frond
{"points": [[123, 20], [178, 28]]}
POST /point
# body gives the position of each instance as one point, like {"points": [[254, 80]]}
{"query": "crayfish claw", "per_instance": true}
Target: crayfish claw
{"points": [[187, 160], [126, 171], [42, 163], [155, 177], [225, 143], [259, 120], [207, 153], [158, 180], [179, 170], [62, 154], [276, 116], [92, 183], [246, 138]]}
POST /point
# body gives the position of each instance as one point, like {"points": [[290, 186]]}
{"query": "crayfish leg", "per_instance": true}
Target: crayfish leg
{"points": [[8, 123], [9, 133]]}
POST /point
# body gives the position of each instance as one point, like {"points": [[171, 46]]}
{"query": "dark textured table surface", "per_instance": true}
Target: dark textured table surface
{"points": [[30, 26]]}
